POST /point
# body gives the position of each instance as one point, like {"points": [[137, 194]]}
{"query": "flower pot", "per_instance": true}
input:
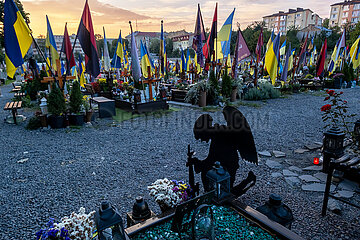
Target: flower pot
{"points": [[56, 121], [43, 120], [164, 208], [233, 95], [202, 99], [88, 115], [76, 120]]}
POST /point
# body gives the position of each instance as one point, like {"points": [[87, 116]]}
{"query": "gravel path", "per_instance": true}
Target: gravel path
{"points": [[70, 168]]}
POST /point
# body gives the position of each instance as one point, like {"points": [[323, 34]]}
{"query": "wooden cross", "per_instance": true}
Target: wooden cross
{"points": [[150, 81], [58, 77]]}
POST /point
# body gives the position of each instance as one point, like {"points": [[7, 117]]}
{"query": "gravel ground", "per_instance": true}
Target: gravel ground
{"points": [[70, 168]]}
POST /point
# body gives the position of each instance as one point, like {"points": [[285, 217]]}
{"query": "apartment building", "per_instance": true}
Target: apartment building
{"points": [[298, 18], [344, 12]]}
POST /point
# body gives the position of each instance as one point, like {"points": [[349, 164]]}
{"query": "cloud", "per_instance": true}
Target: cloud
{"points": [[146, 15]]}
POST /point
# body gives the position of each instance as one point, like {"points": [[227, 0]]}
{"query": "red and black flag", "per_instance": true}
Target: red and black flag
{"points": [[302, 55], [199, 37], [88, 44], [259, 46], [320, 65], [208, 48], [67, 49]]}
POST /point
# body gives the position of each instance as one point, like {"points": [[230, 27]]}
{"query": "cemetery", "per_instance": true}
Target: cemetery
{"points": [[214, 144]]}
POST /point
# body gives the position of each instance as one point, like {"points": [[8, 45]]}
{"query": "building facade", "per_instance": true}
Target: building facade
{"points": [[344, 12], [299, 18]]}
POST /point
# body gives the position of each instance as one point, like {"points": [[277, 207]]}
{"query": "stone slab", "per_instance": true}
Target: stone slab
{"points": [[334, 206], [345, 194], [313, 168], [313, 146], [348, 185], [276, 175], [301, 151], [279, 154], [292, 181], [321, 176], [264, 153], [309, 178], [294, 168], [273, 164], [289, 173], [316, 187]]}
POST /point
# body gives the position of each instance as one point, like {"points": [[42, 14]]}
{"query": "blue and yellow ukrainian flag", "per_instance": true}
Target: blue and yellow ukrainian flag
{"points": [[126, 57], [270, 40], [51, 45], [182, 62], [188, 61], [144, 60], [82, 72], [291, 59], [224, 37], [17, 37], [272, 59], [162, 51], [118, 57], [354, 54], [283, 48]]}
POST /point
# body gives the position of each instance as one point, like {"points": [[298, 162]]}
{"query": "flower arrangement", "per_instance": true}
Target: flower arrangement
{"points": [[169, 192], [336, 111], [77, 226]]}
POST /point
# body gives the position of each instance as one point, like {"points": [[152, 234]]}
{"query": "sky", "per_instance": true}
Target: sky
{"points": [[146, 15]]}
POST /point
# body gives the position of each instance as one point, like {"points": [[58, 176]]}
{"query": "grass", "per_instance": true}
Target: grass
{"points": [[122, 115], [8, 81], [211, 109], [319, 93], [246, 104]]}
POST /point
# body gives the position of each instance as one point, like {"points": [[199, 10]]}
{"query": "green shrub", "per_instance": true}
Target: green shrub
{"points": [[226, 85], [213, 92], [56, 101], [263, 91], [33, 124], [76, 98], [193, 94]]}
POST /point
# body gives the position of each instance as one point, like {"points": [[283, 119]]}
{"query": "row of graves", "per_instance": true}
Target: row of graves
{"points": [[189, 210]]}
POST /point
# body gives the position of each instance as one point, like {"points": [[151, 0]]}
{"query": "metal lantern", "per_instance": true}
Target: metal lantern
{"points": [[357, 131], [141, 209], [43, 105], [202, 223], [276, 211], [218, 179], [333, 146], [109, 223]]}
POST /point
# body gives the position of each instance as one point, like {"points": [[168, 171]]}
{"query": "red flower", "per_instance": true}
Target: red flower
{"points": [[345, 101], [326, 107], [341, 92], [327, 98], [331, 92]]}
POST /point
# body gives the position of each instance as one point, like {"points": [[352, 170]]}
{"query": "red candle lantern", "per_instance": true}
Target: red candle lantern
{"points": [[316, 160]]}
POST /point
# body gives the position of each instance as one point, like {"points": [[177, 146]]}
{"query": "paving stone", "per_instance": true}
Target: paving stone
{"points": [[273, 164], [295, 168], [345, 194], [348, 185], [309, 178], [23, 160], [265, 153], [313, 168], [276, 175], [279, 154], [289, 173], [293, 181], [316, 187], [313, 146], [321, 176], [318, 143], [301, 151], [334, 206]]}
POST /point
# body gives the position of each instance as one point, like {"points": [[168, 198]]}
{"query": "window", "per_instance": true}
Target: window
{"points": [[334, 10], [354, 20], [346, 7], [345, 14], [355, 14], [344, 21], [356, 6], [298, 15]]}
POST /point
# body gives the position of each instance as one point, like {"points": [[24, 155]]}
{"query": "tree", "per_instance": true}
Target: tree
{"points": [[325, 23], [155, 46], [291, 36], [354, 34], [252, 32]]}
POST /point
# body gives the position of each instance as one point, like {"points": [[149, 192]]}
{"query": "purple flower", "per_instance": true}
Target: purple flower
{"points": [[175, 189], [40, 233], [53, 232], [50, 224], [64, 232]]}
